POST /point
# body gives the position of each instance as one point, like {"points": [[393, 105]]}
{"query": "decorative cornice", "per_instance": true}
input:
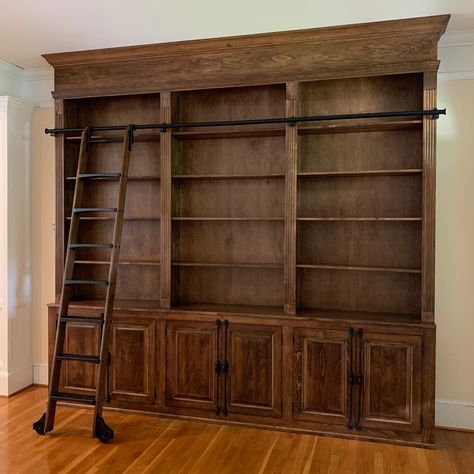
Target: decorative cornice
{"points": [[10, 71]]}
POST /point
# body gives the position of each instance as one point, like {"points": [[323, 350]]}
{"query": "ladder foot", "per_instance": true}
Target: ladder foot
{"points": [[38, 426], [103, 431]]}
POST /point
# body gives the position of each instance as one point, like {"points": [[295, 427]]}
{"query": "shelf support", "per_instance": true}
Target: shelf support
{"points": [[429, 202], [291, 174], [165, 193]]}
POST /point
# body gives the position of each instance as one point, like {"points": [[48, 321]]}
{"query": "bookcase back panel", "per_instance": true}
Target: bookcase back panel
{"points": [[229, 242], [359, 291], [140, 239], [361, 151], [236, 103], [239, 156], [386, 196], [362, 94], [117, 110], [219, 285], [134, 282], [386, 244], [107, 158], [143, 197], [229, 198]]}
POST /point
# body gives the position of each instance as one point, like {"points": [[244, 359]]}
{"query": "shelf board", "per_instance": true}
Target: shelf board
{"points": [[361, 219], [228, 176], [241, 131], [130, 261], [229, 265], [258, 311], [104, 218], [358, 268], [138, 137], [362, 173], [360, 127], [130, 178], [228, 219]]}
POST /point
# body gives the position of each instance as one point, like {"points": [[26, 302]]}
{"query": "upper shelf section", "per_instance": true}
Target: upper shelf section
{"points": [[388, 47]]}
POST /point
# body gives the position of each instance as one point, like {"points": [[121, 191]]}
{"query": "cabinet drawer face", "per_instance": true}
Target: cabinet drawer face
{"points": [[191, 352], [392, 382], [132, 361], [321, 364]]}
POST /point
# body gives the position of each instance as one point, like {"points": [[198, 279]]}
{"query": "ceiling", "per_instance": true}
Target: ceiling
{"points": [[29, 28]]}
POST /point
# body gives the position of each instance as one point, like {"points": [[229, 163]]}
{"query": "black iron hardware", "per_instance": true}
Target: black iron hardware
{"points": [[360, 378], [225, 367], [434, 113], [218, 366], [350, 379]]}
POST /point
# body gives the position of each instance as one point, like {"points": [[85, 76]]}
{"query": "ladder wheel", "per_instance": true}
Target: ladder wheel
{"points": [[103, 431], [38, 426]]}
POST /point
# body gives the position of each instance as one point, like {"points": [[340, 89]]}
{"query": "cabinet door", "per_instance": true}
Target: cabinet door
{"points": [[191, 353], [253, 384], [391, 395], [80, 377], [321, 366], [132, 360]]}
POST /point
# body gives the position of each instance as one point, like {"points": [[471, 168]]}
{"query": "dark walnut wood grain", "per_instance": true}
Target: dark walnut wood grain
{"points": [[191, 353], [391, 395], [254, 379], [314, 241], [322, 361]]}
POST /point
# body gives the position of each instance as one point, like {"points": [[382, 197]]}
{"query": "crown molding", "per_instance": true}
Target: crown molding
{"points": [[456, 50], [11, 71]]}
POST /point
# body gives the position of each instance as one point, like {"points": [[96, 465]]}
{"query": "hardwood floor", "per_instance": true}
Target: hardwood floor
{"points": [[152, 444]]}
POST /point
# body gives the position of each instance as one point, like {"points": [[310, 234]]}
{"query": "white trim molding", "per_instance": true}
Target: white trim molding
{"points": [[14, 381], [32, 85], [455, 414], [456, 51], [40, 374]]}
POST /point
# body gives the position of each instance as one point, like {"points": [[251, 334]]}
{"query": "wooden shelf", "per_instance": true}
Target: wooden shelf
{"points": [[229, 176], [230, 265], [106, 218], [130, 178], [138, 137], [322, 266], [360, 127], [361, 219], [121, 262], [228, 219], [238, 131], [362, 173]]}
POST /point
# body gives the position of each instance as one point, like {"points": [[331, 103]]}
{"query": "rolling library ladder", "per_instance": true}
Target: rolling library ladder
{"points": [[104, 320]]}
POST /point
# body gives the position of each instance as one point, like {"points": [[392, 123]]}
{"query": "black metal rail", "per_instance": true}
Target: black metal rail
{"points": [[434, 113]]}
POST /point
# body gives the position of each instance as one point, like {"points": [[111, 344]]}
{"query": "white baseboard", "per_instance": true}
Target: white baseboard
{"points": [[40, 374], [11, 382], [455, 414]]}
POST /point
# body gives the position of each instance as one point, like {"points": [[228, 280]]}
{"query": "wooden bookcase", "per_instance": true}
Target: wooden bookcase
{"points": [[273, 249]]}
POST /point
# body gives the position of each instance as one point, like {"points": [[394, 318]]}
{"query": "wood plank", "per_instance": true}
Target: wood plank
{"points": [[292, 108], [166, 212]]}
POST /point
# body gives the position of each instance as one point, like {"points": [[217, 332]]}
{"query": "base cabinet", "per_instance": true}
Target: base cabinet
{"points": [[328, 377], [358, 378]]}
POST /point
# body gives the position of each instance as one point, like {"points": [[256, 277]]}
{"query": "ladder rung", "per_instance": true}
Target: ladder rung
{"points": [[85, 176], [81, 320], [86, 282], [79, 357], [81, 210], [90, 246], [73, 397]]}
